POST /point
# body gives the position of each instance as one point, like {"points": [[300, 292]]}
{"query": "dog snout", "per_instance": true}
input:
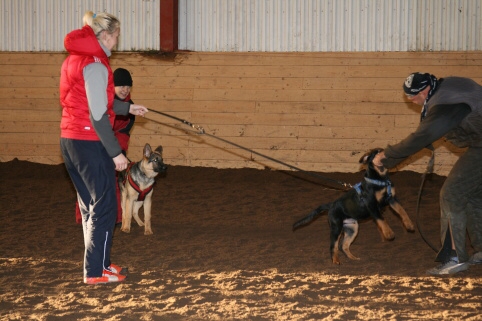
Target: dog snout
{"points": [[161, 168]]}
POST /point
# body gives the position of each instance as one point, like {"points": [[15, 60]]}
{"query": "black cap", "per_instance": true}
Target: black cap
{"points": [[122, 77], [416, 82]]}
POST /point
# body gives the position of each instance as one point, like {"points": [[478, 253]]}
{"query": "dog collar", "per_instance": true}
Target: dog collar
{"points": [[377, 182], [386, 183]]}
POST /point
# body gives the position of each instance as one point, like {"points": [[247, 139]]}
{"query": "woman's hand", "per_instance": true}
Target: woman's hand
{"points": [[121, 162], [138, 110]]}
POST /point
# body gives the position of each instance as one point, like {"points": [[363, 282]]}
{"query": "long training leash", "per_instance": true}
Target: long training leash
{"points": [[428, 171], [200, 130]]}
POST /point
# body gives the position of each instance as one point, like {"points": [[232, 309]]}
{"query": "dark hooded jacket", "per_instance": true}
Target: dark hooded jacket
{"points": [[454, 112]]}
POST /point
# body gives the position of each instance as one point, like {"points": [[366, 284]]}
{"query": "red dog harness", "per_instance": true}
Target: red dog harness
{"points": [[142, 193]]}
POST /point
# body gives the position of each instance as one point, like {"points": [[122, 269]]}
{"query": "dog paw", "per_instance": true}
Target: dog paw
{"points": [[126, 230], [409, 226], [148, 232], [389, 236], [351, 256], [335, 259]]}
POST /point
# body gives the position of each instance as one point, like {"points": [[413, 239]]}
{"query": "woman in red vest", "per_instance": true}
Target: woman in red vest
{"points": [[89, 147]]}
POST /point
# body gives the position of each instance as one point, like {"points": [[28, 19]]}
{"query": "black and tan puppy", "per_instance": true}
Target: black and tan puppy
{"points": [[136, 184], [365, 200]]}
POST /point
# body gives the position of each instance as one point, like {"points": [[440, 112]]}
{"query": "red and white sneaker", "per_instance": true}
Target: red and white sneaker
{"points": [[107, 277], [117, 269]]}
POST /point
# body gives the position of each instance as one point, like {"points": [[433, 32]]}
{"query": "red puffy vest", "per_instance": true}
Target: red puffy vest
{"points": [[84, 49]]}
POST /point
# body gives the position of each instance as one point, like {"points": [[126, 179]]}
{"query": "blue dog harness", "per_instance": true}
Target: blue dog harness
{"points": [[387, 183]]}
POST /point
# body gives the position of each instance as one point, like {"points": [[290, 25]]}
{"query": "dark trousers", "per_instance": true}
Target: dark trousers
{"points": [[92, 172], [461, 206]]}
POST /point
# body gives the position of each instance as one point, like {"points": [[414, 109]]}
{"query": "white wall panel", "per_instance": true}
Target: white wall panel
{"points": [[330, 25], [41, 25], [256, 25]]}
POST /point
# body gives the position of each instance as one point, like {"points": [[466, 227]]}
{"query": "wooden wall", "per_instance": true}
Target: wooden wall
{"points": [[316, 111]]}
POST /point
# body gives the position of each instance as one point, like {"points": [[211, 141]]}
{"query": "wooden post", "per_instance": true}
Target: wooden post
{"points": [[169, 25]]}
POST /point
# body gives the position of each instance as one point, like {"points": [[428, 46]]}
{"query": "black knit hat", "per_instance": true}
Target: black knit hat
{"points": [[416, 82], [122, 77]]}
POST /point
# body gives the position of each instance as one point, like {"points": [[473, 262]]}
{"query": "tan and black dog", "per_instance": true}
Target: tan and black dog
{"points": [[365, 200], [136, 184]]}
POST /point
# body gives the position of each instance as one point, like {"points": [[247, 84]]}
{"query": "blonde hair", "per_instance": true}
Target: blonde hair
{"points": [[100, 22]]}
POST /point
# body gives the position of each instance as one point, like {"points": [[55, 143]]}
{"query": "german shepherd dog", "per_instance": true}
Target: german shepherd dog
{"points": [[136, 185], [365, 200]]}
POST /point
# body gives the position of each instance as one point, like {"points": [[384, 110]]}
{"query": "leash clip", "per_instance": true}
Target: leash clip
{"points": [[199, 128]]}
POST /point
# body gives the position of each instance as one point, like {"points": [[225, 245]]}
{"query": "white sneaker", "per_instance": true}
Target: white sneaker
{"points": [[450, 267], [476, 258]]}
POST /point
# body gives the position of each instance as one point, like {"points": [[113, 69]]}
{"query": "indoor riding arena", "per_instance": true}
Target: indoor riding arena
{"points": [[258, 129]]}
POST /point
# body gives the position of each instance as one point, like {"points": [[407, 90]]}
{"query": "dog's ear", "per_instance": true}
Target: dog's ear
{"points": [[147, 151], [159, 149], [364, 159], [369, 155]]}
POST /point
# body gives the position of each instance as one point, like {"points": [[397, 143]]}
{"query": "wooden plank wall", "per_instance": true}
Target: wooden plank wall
{"points": [[316, 111]]}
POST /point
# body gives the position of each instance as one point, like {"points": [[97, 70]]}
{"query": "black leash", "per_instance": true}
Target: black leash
{"points": [[428, 171], [201, 131], [346, 186]]}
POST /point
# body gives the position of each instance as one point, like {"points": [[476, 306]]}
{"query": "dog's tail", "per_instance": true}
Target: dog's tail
{"points": [[313, 215]]}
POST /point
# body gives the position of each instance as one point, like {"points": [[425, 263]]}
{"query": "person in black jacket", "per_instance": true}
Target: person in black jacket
{"points": [[451, 108], [123, 123]]}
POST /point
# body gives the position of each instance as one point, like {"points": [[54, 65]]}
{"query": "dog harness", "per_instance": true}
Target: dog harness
{"points": [[358, 190], [386, 183], [142, 193]]}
